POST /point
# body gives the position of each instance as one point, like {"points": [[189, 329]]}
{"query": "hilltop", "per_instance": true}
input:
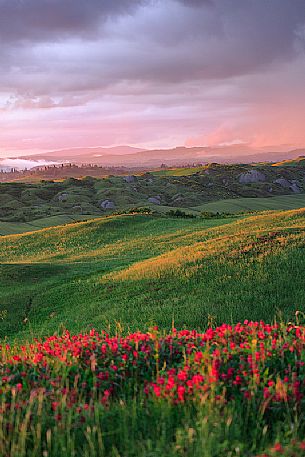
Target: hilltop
{"points": [[82, 155], [298, 162]]}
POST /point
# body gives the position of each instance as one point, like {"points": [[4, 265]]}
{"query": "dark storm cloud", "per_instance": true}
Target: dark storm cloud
{"points": [[45, 19], [196, 3], [149, 40], [155, 63]]}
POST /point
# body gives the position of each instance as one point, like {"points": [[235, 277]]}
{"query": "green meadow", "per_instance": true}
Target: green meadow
{"points": [[127, 272], [11, 228], [138, 270], [237, 205], [208, 252], [233, 206]]}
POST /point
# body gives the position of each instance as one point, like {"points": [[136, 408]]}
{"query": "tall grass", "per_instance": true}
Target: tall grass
{"points": [[142, 270], [248, 397]]}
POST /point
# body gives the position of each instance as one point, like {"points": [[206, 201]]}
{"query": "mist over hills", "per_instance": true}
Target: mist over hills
{"points": [[85, 155], [181, 155], [74, 155]]}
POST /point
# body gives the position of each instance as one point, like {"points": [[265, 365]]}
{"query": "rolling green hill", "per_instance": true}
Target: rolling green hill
{"points": [[298, 162], [140, 269], [80, 394], [237, 205], [188, 189], [11, 228], [232, 207]]}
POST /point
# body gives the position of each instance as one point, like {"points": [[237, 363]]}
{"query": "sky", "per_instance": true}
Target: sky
{"points": [[151, 73]]}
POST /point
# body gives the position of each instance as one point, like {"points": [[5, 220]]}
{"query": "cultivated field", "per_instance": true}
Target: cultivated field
{"points": [[237, 205]]}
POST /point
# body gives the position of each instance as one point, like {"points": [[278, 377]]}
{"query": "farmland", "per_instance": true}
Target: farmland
{"points": [[238, 205]]}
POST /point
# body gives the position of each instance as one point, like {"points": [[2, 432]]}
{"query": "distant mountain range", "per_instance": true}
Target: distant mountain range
{"points": [[85, 155], [133, 157]]}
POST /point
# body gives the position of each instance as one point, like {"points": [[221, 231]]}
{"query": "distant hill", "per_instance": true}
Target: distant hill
{"points": [[132, 157], [176, 188], [83, 155]]}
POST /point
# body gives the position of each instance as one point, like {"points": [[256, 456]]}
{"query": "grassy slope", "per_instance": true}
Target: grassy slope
{"points": [[13, 228], [299, 161], [230, 206], [142, 269], [58, 271], [182, 171], [236, 205]]}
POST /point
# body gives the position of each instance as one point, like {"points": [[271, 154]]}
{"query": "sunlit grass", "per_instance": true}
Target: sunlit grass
{"points": [[142, 269]]}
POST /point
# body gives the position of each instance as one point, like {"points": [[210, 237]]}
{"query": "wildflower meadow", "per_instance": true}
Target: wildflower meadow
{"points": [[230, 391]]}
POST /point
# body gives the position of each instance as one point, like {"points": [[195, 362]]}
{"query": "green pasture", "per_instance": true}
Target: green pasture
{"points": [[142, 269]]}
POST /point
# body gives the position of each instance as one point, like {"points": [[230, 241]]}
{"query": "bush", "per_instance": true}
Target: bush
{"points": [[179, 213]]}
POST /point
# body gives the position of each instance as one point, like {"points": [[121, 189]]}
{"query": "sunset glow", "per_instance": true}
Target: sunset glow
{"points": [[151, 74]]}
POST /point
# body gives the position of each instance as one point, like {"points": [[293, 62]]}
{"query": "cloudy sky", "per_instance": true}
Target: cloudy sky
{"points": [[151, 73]]}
